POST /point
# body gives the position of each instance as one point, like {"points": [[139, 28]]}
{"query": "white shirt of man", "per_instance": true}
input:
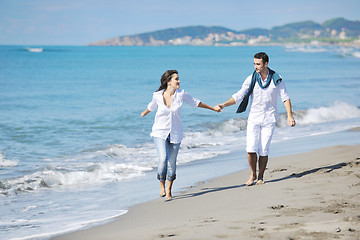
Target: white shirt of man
{"points": [[168, 120], [263, 107]]}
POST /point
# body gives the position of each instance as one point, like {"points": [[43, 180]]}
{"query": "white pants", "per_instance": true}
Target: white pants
{"points": [[258, 137]]}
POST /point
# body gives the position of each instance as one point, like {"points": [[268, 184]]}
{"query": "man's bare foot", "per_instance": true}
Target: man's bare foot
{"points": [[250, 181], [260, 182]]}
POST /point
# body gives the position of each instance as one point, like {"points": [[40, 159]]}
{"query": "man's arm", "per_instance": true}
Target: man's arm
{"points": [[239, 96], [229, 102], [291, 120]]}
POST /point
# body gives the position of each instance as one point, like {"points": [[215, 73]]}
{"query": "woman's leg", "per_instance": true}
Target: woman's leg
{"points": [[160, 145], [172, 150], [168, 190], [162, 189]]}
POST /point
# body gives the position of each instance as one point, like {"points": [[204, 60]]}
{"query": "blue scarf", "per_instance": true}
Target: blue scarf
{"points": [[272, 75], [256, 77]]}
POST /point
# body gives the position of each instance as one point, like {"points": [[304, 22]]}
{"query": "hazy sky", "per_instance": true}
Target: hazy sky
{"points": [[78, 22]]}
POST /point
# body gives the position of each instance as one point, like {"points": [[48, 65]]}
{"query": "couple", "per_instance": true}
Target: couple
{"points": [[262, 87]]}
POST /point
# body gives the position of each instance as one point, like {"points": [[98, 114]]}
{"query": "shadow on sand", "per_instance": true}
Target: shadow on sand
{"points": [[293, 175]]}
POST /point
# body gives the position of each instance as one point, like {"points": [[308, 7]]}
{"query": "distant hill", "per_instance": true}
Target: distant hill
{"points": [[295, 30], [193, 32], [351, 27], [331, 31], [256, 32]]}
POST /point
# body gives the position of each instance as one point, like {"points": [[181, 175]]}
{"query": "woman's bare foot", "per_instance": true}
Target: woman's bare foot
{"points": [[168, 190], [162, 189], [168, 194], [168, 197]]}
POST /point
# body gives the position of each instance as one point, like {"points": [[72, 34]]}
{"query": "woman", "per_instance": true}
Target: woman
{"points": [[167, 130]]}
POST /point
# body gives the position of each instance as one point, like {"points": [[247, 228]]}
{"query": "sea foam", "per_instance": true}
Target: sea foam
{"points": [[337, 111], [7, 163]]}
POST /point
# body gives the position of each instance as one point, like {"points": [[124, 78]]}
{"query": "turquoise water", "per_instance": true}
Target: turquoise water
{"points": [[73, 146]]}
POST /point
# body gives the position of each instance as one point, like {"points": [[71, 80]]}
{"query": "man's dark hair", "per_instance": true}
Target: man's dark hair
{"points": [[263, 56]]}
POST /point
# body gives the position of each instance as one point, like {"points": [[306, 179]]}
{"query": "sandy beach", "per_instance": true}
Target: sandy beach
{"points": [[313, 195]]}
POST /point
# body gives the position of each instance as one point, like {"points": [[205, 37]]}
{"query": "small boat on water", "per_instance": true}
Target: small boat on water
{"points": [[34, 49]]}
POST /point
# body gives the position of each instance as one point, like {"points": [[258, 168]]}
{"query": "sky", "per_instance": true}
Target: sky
{"points": [[79, 22]]}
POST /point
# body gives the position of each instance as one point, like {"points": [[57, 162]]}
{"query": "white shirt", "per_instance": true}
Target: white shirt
{"points": [[263, 107], [168, 120]]}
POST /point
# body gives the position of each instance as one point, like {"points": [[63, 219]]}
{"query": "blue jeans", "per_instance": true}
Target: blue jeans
{"points": [[167, 158]]}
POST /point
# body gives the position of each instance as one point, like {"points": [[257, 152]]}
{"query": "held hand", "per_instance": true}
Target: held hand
{"points": [[291, 121], [217, 108]]}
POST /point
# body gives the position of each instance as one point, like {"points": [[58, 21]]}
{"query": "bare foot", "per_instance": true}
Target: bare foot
{"points": [[260, 182], [162, 189], [168, 197], [250, 181]]}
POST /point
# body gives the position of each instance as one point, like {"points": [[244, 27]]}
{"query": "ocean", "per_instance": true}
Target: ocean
{"points": [[75, 153]]}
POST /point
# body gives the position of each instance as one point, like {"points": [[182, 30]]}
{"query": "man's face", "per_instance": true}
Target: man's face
{"points": [[259, 66]]}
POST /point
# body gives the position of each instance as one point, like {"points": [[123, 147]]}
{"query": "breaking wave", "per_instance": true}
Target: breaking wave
{"points": [[7, 163], [337, 111]]}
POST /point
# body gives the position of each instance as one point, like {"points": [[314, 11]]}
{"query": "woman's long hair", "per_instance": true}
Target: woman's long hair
{"points": [[165, 78]]}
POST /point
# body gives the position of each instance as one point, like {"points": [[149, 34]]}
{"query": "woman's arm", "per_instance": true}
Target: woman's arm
{"points": [[203, 105], [194, 102], [151, 107], [144, 113]]}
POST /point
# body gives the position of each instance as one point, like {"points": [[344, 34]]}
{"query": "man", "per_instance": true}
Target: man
{"points": [[266, 86]]}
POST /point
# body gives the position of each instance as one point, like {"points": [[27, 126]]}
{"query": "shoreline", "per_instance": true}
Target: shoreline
{"points": [[306, 199]]}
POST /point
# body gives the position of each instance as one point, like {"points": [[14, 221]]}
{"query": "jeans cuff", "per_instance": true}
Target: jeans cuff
{"points": [[161, 178], [171, 178]]}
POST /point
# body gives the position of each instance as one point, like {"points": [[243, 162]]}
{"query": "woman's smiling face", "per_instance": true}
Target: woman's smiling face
{"points": [[174, 82]]}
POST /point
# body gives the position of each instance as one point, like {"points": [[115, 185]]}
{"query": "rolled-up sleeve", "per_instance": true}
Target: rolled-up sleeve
{"points": [[152, 106], [239, 96], [193, 102], [283, 92]]}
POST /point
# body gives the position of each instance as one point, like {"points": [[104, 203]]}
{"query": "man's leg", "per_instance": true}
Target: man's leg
{"points": [[252, 159], [252, 146], [266, 135], [262, 166]]}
